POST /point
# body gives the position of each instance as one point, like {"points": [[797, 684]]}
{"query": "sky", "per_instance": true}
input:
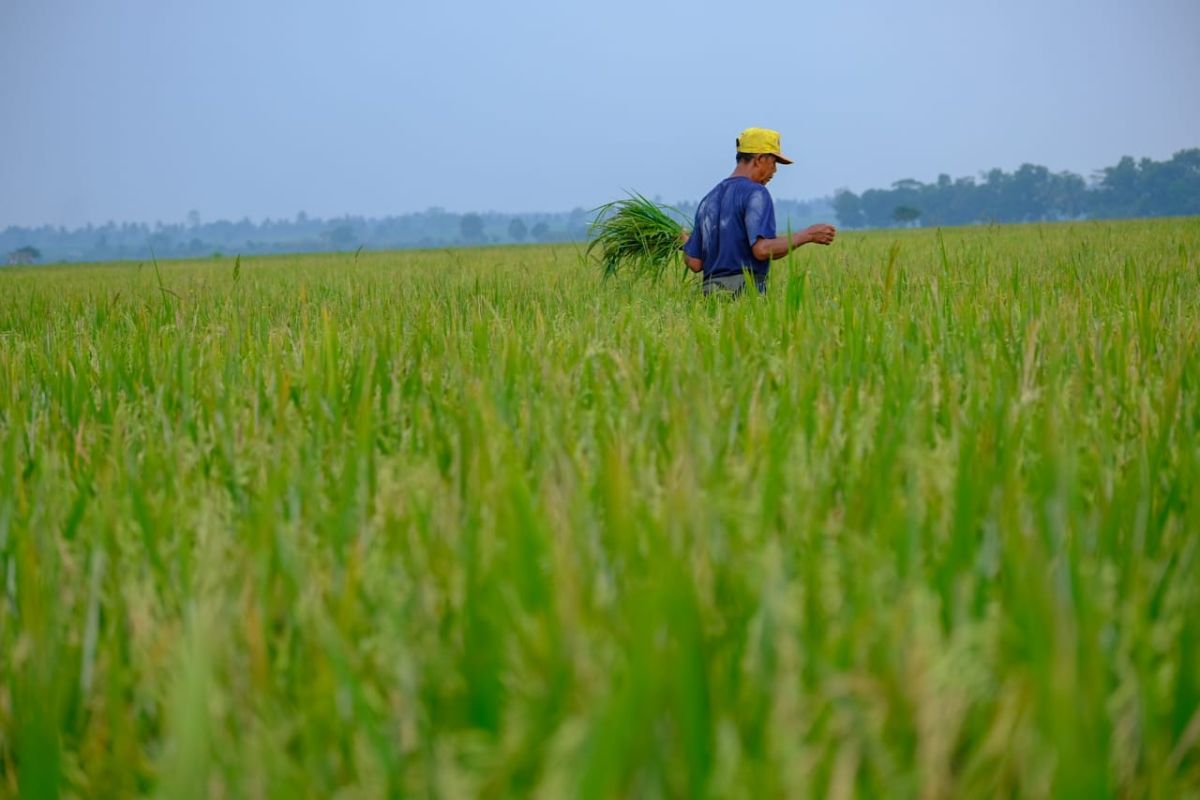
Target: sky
{"points": [[146, 110]]}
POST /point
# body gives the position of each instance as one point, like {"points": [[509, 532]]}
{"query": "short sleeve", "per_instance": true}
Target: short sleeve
{"points": [[760, 216]]}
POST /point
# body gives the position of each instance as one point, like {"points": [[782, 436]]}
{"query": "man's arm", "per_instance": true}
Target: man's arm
{"points": [[694, 264], [780, 246]]}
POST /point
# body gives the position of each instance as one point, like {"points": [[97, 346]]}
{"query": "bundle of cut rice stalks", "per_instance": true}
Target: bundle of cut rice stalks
{"points": [[636, 236]]}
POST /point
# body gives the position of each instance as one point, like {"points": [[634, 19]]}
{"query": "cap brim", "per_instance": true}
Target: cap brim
{"points": [[782, 159]]}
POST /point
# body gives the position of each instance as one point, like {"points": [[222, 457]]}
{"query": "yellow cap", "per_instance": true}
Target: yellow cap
{"points": [[761, 140]]}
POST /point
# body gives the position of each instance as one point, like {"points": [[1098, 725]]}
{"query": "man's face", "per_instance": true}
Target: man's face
{"points": [[764, 168]]}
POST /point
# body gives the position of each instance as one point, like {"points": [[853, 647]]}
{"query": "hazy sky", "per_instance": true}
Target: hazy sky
{"points": [[141, 110]]}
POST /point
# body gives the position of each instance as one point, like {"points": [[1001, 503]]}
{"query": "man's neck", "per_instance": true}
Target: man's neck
{"points": [[743, 170]]}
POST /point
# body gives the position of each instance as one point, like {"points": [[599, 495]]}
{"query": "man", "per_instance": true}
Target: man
{"points": [[734, 229]]}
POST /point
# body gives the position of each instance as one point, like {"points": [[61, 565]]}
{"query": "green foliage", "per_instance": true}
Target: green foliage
{"points": [[922, 521], [1130, 189], [517, 230], [471, 226], [341, 236], [848, 209], [635, 235], [24, 255], [1148, 187], [432, 228]]}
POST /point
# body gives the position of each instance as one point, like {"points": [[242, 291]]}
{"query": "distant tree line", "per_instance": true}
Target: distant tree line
{"points": [[432, 228], [24, 255], [1143, 188], [1031, 193]]}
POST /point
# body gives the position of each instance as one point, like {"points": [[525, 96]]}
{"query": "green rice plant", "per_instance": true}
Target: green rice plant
{"points": [[923, 522], [635, 235]]}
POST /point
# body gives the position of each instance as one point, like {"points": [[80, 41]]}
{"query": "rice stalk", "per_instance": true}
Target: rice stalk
{"points": [[635, 235]]}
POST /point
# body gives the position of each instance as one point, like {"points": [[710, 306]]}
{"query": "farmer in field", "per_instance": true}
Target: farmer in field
{"points": [[734, 229]]}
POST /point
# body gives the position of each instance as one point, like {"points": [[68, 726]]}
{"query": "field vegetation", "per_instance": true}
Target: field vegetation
{"points": [[924, 521]]}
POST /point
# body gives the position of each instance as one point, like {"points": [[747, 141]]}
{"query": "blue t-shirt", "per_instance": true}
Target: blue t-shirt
{"points": [[729, 220]]}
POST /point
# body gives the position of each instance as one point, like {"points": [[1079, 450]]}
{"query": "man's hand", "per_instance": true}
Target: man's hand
{"points": [[820, 233], [694, 264], [780, 246]]}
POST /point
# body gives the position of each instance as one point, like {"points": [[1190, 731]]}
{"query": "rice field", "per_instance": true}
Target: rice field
{"points": [[924, 521]]}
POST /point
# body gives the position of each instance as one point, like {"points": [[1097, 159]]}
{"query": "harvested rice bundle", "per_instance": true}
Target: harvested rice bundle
{"points": [[635, 235]]}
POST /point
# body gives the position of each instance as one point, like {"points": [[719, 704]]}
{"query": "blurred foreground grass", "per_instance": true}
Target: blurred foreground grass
{"points": [[922, 522]]}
